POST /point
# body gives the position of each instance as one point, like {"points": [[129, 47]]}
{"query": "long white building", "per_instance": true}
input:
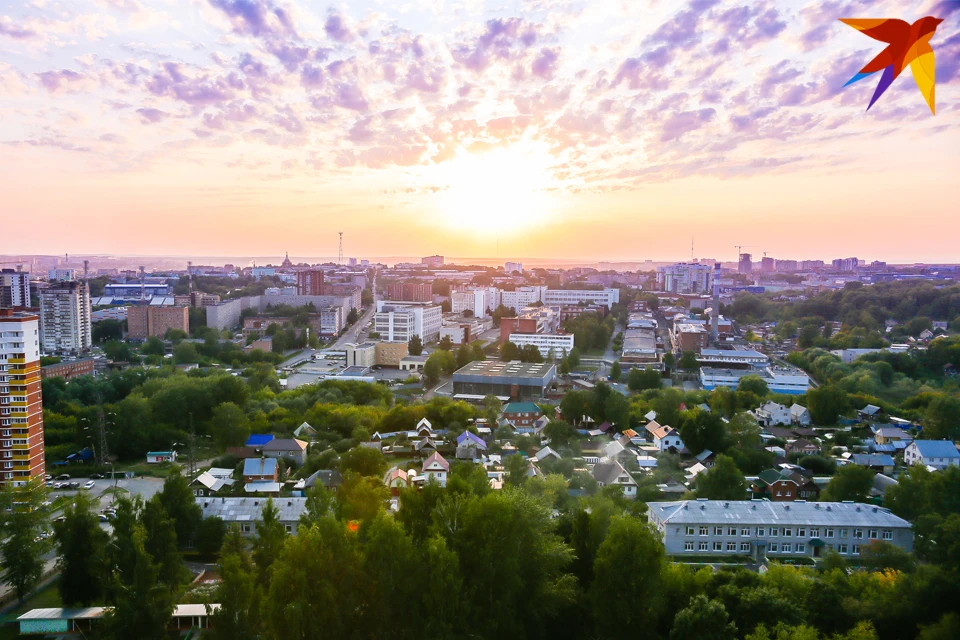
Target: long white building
{"points": [[760, 528], [567, 297], [400, 321], [65, 318], [521, 297], [474, 301], [549, 344], [779, 379]]}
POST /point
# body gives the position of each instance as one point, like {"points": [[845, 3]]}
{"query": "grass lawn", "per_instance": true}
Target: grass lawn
{"points": [[48, 598]]}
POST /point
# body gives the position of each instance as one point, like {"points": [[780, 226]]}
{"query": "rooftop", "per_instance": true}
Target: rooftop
{"points": [[513, 369], [839, 514], [250, 509], [937, 448]]}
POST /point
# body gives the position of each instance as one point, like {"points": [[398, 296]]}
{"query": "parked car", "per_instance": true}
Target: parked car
{"points": [[73, 485], [48, 477], [104, 518], [96, 476], [50, 484], [89, 485], [64, 476]]}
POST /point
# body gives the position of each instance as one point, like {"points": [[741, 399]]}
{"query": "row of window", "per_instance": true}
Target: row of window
{"points": [[787, 532], [774, 547]]}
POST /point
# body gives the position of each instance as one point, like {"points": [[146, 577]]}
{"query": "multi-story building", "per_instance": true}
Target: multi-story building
{"points": [[14, 289], [473, 301], [760, 528], [432, 261], [685, 278], [768, 265], [506, 380], [331, 321], [389, 354], [400, 321], [144, 321], [111, 313], [197, 300], [410, 291], [787, 380], [65, 318], [65, 275], [733, 358], [21, 403], [563, 297], [310, 282], [690, 337], [346, 290], [361, 355], [550, 344], [513, 267], [811, 265], [746, 263], [846, 264], [787, 266], [69, 369], [135, 290]]}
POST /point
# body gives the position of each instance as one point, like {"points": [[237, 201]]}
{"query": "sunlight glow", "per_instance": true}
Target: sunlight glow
{"points": [[506, 188]]}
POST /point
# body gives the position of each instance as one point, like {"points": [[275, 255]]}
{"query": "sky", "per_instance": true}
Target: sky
{"points": [[601, 129]]}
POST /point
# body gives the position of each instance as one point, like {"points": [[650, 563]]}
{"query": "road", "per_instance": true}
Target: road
{"points": [[358, 327]]}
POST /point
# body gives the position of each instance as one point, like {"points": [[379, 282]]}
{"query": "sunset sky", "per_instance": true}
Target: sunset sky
{"points": [[601, 129]]}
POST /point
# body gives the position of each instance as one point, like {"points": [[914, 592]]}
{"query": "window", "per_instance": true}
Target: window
{"points": [[858, 534], [856, 549], [773, 547], [872, 534], [689, 531], [801, 533], [731, 546], [704, 546], [718, 531], [761, 532], [288, 527], [843, 548], [704, 531], [843, 533], [718, 546], [745, 547], [801, 548], [745, 532], [732, 531], [245, 528], [814, 533], [788, 533], [888, 534], [774, 532], [786, 547], [688, 546]]}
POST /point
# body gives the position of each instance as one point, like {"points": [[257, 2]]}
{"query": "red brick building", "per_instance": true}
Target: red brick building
{"points": [[68, 370], [310, 282]]}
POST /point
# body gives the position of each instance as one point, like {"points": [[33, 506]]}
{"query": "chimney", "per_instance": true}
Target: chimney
{"points": [[715, 315]]}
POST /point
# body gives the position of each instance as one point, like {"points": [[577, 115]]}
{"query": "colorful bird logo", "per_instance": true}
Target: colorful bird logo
{"points": [[906, 44]]}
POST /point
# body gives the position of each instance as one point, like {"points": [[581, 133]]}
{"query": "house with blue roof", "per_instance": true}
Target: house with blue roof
{"points": [[878, 462], [260, 470], [937, 454], [470, 446], [257, 440]]}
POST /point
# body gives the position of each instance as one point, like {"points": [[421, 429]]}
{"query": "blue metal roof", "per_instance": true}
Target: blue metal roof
{"points": [[259, 439], [937, 449], [259, 466]]}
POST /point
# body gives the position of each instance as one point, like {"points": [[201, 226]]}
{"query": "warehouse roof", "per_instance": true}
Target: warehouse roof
{"points": [[250, 509]]}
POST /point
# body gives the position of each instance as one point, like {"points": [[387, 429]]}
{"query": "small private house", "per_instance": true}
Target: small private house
{"points": [[869, 412], [803, 446], [773, 414], [522, 414], [156, 457], [784, 485], [614, 473], [305, 431], [436, 468], [260, 470], [211, 482], [424, 429], [287, 448], [664, 438], [328, 478], [875, 461], [247, 512], [545, 454], [936, 454], [800, 415], [396, 479], [890, 435], [470, 446]]}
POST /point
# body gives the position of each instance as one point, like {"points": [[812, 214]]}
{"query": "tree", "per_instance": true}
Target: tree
{"points": [[826, 404], [353, 316], [22, 548], [559, 433], [688, 361], [643, 379], [754, 384], [703, 619], [365, 461], [239, 614], [415, 346], [81, 554], [701, 430], [878, 555], [723, 481], [108, 329], [160, 542], [269, 542], [631, 557], [669, 359], [509, 352], [185, 353], [573, 358], [361, 497], [180, 504], [210, 536], [431, 371], [446, 343], [152, 347], [743, 431], [143, 606], [808, 336], [851, 482], [941, 420], [615, 371], [229, 425]]}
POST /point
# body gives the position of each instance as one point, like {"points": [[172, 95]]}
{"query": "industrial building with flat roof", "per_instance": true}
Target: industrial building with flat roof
{"points": [[761, 528], [515, 380], [779, 379]]}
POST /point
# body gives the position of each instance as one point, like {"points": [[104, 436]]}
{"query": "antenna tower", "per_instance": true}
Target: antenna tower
{"points": [[340, 254]]}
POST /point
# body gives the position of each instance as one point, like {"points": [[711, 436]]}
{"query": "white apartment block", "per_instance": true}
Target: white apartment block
{"points": [[62, 274], [400, 321], [549, 344], [474, 301], [760, 528], [65, 318], [565, 297], [521, 297], [510, 267], [685, 278]]}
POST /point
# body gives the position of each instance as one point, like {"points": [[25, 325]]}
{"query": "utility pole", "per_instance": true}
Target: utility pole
{"points": [[191, 447], [100, 450], [143, 284], [340, 254]]}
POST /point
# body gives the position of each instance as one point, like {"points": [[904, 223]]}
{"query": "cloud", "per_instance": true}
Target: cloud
{"points": [[545, 64], [18, 32], [149, 115], [336, 28], [680, 123], [502, 39], [260, 18], [65, 80]]}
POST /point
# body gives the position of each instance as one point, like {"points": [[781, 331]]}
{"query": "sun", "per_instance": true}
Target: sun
{"points": [[485, 192]]}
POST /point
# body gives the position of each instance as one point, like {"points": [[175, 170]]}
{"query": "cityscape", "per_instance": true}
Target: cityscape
{"points": [[535, 320]]}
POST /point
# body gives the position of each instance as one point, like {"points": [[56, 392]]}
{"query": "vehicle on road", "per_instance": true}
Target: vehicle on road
{"points": [[96, 476], [65, 476], [89, 485]]}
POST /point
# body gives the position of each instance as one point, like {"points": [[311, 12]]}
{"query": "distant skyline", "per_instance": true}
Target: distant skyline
{"points": [[573, 130]]}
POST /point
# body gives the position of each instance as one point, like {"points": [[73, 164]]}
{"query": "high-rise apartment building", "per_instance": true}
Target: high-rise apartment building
{"points": [[65, 318], [768, 265], [473, 301], [685, 278], [21, 405], [144, 321], [14, 289], [746, 263], [61, 274], [432, 261], [400, 321], [310, 282], [410, 291], [846, 264], [511, 267]]}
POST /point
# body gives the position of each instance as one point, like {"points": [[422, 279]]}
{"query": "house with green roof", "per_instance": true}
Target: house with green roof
{"points": [[522, 414]]}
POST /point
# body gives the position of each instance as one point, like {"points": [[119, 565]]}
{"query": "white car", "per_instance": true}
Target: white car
{"points": [[90, 484]]}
